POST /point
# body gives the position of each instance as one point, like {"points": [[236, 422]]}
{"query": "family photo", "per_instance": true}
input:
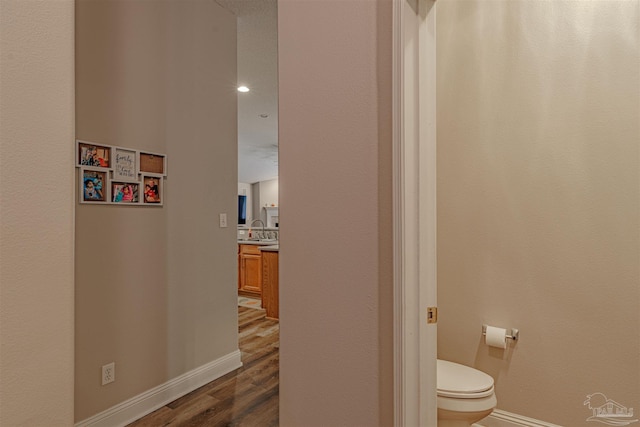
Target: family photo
{"points": [[93, 186], [152, 190], [94, 155], [111, 174], [124, 192]]}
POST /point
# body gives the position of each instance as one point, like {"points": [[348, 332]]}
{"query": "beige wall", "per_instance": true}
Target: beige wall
{"points": [[268, 192], [335, 206], [262, 193], [538, 198], [155, 287], [36, 213]]}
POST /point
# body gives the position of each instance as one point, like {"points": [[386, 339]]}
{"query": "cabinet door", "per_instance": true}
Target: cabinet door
{"points": [[270, 299], [239, 272], [252, 273]]}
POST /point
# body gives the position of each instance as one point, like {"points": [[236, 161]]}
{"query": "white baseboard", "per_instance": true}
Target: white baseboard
{"points": [[147, 402], [500, 418]]}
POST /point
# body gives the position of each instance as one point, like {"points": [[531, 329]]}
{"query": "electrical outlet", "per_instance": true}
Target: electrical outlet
{"points": [[108, 373], [223, 220]]}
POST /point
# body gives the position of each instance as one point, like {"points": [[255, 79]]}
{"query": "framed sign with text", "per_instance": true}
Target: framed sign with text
{"points": [[125, 163]]}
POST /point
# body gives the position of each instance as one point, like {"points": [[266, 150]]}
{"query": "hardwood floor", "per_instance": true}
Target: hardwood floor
{"points": [[246, 397]]}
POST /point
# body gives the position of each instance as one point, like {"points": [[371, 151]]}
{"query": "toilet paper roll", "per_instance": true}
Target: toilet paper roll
{"points": [[496, 337]]}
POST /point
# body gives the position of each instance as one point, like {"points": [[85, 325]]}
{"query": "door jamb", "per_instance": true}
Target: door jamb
{"points": [[414, 212]]}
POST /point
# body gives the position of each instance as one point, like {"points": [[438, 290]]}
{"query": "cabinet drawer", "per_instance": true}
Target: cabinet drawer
{"points": [[250, 249]]}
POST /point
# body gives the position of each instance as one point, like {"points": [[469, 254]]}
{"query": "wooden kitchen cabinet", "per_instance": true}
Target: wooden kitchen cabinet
{"points": [[250, 270], [270, 284]]}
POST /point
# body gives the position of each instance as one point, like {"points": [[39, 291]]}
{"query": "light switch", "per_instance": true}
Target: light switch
{"points": [[223, 220]]}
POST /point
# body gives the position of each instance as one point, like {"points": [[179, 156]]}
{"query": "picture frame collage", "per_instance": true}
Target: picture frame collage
{"points": [[111, 174]]}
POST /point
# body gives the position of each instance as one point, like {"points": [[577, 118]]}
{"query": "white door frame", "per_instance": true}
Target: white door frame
{"points": [[414, 201]]}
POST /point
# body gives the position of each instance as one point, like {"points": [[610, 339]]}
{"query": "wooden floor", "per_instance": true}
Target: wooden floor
{"points": [[245, 397]]}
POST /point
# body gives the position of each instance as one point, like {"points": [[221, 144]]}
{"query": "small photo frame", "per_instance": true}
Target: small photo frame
{"points": [[93, 186], [125, 163], [93, 155], [152, 163], [152, 190], [125, 192]]}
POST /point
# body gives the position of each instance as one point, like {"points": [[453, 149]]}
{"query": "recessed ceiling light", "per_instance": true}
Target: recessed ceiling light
{"points": [[264, 116], [243, 89]]}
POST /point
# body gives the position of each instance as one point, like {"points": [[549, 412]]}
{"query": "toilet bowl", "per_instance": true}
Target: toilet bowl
{"points": [[465, 395]]}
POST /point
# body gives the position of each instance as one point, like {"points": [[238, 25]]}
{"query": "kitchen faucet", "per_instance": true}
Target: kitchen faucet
{"points": [[251, 225]]}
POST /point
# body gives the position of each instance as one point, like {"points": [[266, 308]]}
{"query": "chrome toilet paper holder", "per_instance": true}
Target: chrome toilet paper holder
{"points": [[514, 333]]}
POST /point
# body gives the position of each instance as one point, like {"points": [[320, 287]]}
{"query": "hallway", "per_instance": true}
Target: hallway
{"points": [[245, 397]]}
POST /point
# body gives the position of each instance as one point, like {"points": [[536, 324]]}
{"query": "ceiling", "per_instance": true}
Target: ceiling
{"points": [[258, 70]]}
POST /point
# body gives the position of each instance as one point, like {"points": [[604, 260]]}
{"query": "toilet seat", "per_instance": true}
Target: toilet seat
{"points": [[462, 382]]}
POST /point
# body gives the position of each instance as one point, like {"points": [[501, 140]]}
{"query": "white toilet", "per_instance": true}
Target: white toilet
{"points": [[465, 395]]}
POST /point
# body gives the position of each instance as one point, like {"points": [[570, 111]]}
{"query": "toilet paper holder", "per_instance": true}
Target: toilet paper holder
{"points": [[514, 333]]}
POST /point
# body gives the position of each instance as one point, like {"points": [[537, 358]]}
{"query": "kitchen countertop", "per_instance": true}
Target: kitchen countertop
{"points": [[271, 248], [258, 242]]}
